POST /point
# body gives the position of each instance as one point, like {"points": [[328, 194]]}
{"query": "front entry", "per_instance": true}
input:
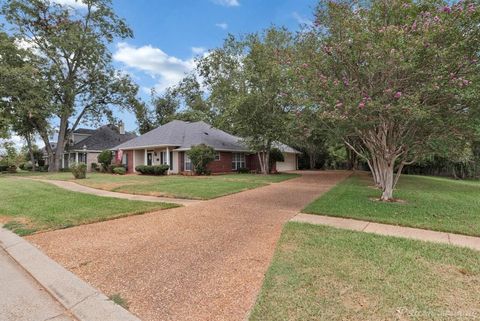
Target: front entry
{"points": [[150, 158]]}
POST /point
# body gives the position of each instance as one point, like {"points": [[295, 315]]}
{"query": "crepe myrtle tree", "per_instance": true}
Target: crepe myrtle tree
{"points": [[77, 66], [399, 77], [250, 90]]}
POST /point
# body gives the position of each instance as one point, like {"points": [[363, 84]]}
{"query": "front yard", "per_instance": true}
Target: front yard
{"points": [[192, 187], [428, 202], [28, 206], [322, 273]]}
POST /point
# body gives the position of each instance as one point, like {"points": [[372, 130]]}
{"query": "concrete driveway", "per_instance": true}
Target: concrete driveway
{"points": [[202, 262]]}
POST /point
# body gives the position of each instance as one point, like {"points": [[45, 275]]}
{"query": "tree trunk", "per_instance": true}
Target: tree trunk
{"points": [[387, 182], [263, 158], [28, 138], [61, 143]]}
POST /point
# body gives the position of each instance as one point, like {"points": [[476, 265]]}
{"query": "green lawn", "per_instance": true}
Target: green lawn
{"points": [[321, 273], [430, 202], [28, 206], [193, 187]]}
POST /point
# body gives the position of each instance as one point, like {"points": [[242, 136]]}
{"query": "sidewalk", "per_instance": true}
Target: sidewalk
{"points": [[74, 187], [22, 298], [391, 230]]}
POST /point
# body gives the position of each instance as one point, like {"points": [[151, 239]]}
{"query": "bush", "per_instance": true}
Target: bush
{"points": [[3, 168], [201, 155], [152, 170], [95, 167], [119, 170], [105, 158], [111, 167], [27, 166], [41, 162], [79, 170], [43, 168], [12, 169], [243, 170]]}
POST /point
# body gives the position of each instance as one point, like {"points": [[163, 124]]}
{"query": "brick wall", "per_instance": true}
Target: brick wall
{"points": [[223, 165]]}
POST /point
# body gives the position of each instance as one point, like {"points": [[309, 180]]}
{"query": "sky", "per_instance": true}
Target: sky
{"points": [[168, 34]]}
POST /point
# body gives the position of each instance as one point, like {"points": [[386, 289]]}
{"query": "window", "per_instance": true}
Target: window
{"points": [[238, 161], [188, 163], [217, 156]]}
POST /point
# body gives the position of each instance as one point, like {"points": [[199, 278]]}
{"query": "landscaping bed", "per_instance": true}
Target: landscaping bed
{"points": [[322, 273], [426, 202]]}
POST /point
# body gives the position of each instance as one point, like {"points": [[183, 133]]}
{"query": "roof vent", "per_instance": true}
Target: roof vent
{"points": [[205, 133]]}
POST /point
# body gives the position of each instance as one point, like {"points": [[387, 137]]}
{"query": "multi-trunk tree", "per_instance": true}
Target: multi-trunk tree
{"points": [[76, 63], [399, 77]]}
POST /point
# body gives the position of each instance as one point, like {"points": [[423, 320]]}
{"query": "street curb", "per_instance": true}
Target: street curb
{"points": [[79, 298]]}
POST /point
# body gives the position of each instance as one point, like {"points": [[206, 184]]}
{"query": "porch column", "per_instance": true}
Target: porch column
{"points": [[168, 161], [63, 160], [145, 158], [76, 157], [133, 159]]}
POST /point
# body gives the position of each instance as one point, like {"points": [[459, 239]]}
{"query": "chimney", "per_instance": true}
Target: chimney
{"points": [[121, 128]]}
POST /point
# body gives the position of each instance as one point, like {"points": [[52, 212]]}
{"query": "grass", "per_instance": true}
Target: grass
{"points": [[429, 202], [322, 273], [118, 299], [29, 206], [193, 187]]}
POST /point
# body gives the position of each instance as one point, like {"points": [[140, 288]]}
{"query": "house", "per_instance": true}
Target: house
{"points": [[168, 143], [85, 144]]}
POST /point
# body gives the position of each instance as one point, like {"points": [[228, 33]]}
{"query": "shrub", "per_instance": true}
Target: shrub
{"points": [[94, 167], [111, 167], [3, 168], [201, 155], [12, 169], [243, 170], [152, 170], [41, 162], [27, 166], [79, 170], [43, 168], [21, 166], [119, 170], [105, 158]]}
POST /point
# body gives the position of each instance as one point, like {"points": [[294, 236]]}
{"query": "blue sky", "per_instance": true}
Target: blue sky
{"points": [[168, 34]]}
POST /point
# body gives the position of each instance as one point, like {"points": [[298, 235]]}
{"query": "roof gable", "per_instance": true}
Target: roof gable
{"points": [[103, 138]]}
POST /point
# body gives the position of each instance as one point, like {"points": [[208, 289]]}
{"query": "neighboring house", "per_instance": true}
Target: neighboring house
{"points": [[167, 144], [85, 145]]}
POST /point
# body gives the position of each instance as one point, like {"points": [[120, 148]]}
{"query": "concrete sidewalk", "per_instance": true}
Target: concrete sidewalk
{"points": [[391, 230], [24, 299], [74, 187], [33, 287]]}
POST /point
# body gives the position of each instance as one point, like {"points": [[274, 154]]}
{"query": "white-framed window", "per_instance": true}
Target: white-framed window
{"points": [[217, 156], [238, 161], [188, 163]]}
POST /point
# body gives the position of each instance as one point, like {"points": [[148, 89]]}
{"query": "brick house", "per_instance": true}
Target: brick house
{"points": [[168, 143]]}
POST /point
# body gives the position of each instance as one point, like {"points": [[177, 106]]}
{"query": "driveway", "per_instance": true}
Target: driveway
{"points": [[202, 262]]}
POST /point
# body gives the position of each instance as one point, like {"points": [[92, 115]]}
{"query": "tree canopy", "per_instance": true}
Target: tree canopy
{"points": [[400, 77]]}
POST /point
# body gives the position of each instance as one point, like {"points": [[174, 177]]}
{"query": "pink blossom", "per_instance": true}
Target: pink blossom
{"points": [[398, 94], [436, 19], [339, 104], [361, 105], [346, 82], [447, 9], [305, 65], [471, 8], [414, 25]]}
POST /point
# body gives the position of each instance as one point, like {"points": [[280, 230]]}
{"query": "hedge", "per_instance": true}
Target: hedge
{"points": [[152, 170]]}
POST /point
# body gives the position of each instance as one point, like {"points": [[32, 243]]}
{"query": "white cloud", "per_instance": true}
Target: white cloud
{"points": [[227, 3], [71, 3], [222, 25], [301, 19], [199, 50], [167, 70]]}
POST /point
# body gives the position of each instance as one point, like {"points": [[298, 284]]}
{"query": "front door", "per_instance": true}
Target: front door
{"points": [[149, 159]]}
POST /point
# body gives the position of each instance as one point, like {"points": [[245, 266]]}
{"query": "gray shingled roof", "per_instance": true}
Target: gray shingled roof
{"points": [[184, 135], [88, 131], [103, 138]]}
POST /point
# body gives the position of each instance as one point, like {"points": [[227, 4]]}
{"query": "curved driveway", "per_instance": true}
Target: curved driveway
{"points": [[202, 262]]}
